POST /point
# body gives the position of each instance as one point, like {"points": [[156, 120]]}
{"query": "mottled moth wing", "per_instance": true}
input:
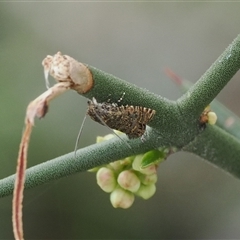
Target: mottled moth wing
{"points": [[131, 120]]}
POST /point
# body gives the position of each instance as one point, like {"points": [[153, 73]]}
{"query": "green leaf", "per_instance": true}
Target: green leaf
{"points": [[152, 157]]}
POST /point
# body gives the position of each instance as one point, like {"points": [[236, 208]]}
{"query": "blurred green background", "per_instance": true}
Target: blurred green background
{"points": [[134, 41]]}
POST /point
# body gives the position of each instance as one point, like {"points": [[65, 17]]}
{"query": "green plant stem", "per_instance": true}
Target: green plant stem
{"points": [[167, 119], [86, 158], [107, 86], [214, 145], [226, 119], [212, 81], [218, 148]]}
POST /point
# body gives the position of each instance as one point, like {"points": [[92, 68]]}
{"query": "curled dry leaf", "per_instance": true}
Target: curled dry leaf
{"points": [[69, 74], [39, 107]]}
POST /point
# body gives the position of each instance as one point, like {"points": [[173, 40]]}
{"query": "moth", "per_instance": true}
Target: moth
{"points": [[131, 120]]}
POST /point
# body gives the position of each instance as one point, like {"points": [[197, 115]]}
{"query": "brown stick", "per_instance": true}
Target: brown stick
{"points": [[19, 183]]}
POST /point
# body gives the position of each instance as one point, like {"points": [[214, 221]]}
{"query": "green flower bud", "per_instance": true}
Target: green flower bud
{"points": [[127, 160], [94, 169], [120, 164], [116, 166], [105, 138], [121, 198], [212, 118], [146, 192], [148, 179], [128, 180], [152, 169], [108, 136], [106, 179], [99, 139], [136, 165]]}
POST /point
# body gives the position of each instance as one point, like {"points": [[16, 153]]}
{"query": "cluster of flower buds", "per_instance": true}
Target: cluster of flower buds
{"points": [[133, 176]]}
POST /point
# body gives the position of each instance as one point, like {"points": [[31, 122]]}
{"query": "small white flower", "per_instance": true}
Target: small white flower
{"points": [[146, 191]]}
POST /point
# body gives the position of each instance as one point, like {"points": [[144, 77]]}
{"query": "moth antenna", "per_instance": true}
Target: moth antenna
{"points": [[79, 135], [112, 130]]}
